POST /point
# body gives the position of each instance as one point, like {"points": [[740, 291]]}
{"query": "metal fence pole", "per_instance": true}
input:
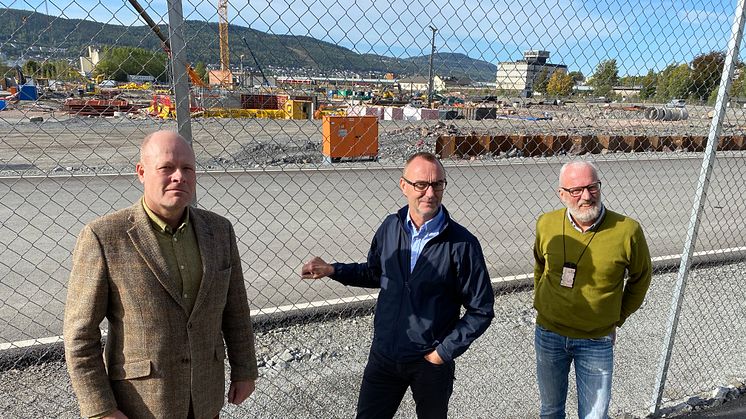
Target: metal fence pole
{"points": [[699, 200], [179, 67]]}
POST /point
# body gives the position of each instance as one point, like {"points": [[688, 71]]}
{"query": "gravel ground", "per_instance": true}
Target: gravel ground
{"points": [[65, 144], [313, 369]]}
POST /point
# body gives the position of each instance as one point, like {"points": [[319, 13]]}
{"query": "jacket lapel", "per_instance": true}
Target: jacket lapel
{"points": [[143, 238], [208, 249]]}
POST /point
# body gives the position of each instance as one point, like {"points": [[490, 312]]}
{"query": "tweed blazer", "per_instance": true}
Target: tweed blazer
{"points": [[157, 355]]}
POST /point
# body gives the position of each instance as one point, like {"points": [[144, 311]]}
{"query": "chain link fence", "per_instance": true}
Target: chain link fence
{"points": [[503, 92]]}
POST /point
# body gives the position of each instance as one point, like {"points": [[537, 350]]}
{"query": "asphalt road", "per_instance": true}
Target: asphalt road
{"points": [[284, 217]]}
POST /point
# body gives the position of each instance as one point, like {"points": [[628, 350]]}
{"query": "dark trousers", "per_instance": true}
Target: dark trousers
{"points": [[385, 382]]}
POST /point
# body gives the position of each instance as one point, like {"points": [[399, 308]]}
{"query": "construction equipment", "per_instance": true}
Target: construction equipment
{"points": [[193, 76], [265, 82], [225, 64]]}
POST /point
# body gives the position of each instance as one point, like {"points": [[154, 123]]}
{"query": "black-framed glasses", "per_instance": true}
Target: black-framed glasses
{"points": [[438, 185], [593, 189]]}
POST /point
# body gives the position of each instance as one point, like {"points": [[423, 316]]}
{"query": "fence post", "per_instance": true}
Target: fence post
{"points": [[699, 200], [179, 68]]}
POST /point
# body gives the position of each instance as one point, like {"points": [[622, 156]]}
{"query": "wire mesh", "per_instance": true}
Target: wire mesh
{"points": [[518, 88]]}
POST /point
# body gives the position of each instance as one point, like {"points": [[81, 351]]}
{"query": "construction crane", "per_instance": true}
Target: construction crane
{"points": [[193, 76], [225, 63], [265, 82]]}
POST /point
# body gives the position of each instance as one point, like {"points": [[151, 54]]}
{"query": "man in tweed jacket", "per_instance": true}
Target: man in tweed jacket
{"points": [[168, 279]]}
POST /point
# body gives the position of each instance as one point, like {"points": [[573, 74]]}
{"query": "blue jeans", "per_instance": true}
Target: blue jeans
{"points": [[594, 364]]}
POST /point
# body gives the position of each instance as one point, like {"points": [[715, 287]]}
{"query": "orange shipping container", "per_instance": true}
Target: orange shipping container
{"points": [[350, 136]]}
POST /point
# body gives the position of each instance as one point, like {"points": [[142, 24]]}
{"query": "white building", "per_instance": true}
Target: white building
{"points": [[87, 64], [420, 84], [521, 75]]}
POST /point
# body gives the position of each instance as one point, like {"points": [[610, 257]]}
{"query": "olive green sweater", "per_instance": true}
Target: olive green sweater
{"points": [[599, 299]]}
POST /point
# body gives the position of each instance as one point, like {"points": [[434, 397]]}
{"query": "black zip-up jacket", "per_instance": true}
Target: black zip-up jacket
{"points": [[419, 311]]}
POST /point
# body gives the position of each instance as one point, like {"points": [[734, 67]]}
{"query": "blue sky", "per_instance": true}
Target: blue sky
{"points": [[639, 34]]}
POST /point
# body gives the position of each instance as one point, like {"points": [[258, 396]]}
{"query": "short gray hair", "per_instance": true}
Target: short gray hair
{"points": [[577, 163]]}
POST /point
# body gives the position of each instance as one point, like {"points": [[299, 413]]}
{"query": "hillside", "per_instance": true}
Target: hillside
{"points": [[298, 54]]}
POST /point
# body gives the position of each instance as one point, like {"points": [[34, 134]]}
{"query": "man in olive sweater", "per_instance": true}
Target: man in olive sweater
{"points": [[582, 253]]}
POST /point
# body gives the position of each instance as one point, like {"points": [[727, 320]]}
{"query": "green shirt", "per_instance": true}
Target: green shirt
{"points": [[181, 252], [599, 299]]}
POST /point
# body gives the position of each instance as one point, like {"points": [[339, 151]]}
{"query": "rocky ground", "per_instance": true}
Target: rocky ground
{"points": [[109, 144], [312, 369]]}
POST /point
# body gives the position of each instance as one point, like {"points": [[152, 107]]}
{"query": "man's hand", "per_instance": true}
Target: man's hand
{"points": [[316, 268], [117, 414], [240, 391], [434, 358]]}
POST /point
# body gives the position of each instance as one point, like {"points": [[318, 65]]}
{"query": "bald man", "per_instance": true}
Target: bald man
{"points": [[168, 279], [427, 268], [582, 253]]}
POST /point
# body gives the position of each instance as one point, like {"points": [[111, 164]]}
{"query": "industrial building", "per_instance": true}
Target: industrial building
{"points": [[522, 74]]}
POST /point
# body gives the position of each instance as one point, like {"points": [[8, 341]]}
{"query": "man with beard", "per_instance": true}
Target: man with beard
{"points": [[428, 267], [580, 295]]}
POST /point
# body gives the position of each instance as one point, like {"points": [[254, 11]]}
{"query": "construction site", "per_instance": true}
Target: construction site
{"points": [[339, 119]]}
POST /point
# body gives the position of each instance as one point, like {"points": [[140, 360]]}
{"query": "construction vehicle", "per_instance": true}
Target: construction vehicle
{"points": [[193, 76]]}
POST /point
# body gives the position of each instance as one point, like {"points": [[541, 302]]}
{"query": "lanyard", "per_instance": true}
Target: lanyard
{"points": [[564, 252]]}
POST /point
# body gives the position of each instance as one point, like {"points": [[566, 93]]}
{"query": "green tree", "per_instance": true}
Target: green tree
{"points": [[705, 74], [673, 82], [59, 70], [648, 85], [560, 84], [605, 77], [738, 87], [541, 81], [31, 68], [201, 71], [117, 62], [577, 76], [5, 71]]}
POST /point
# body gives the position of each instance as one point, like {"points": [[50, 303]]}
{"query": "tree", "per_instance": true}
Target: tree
{"points": [[541, 81], [577, 76], [31, 68], [705, 74], [201, 71], [673, 82], [648, 83], [605, 77], [58, 70], [117, 62], [560, 84], [738, 88]]}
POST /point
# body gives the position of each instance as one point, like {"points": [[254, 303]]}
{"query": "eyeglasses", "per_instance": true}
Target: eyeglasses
{"points": [[593, 189], [438, 185]]}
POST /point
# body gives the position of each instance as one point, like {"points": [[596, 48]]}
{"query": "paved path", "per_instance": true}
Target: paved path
{"points": [[283, 217]]}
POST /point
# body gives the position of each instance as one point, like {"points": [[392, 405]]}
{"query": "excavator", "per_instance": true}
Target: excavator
{"points": [[193, 76]]}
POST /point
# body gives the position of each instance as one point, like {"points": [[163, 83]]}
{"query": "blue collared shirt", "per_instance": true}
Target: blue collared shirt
{"points": [[595, 223], [427, 232]]}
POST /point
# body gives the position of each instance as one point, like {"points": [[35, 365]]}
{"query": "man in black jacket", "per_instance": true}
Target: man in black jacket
{"points": [[427, 267]]}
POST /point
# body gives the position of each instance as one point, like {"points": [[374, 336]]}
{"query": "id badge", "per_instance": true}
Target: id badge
{"points": [[568, 275]]}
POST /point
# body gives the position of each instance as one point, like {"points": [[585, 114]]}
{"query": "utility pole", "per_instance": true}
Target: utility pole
{"points": [[241, 77], [430, 71]]}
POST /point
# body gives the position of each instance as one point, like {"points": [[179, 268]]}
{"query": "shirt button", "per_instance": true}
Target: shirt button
{"points": [[175, 239], [186, 295], [181, 267]]}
